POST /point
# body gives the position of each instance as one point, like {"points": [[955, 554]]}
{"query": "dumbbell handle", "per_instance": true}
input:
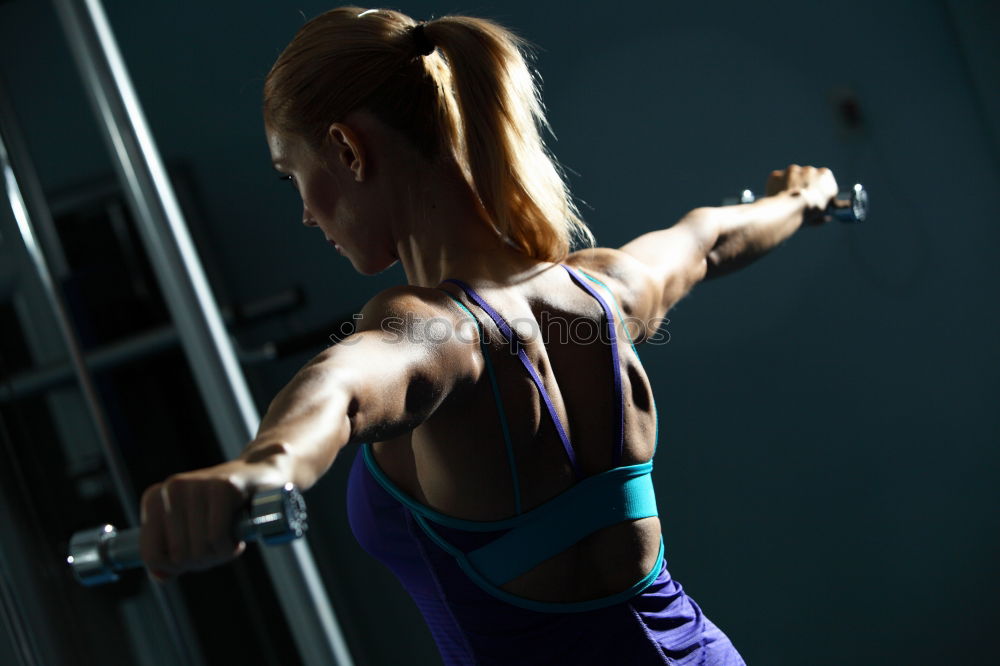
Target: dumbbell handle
{"points": [[850, 206], [96, 555]]}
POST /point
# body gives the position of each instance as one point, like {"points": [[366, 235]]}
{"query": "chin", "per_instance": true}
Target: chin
{"points": [[372, 266]]}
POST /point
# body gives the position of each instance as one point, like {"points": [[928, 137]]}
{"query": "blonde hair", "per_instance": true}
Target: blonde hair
{"points": [[473, 99]]}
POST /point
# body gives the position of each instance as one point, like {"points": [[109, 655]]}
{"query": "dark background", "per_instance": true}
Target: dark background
{"points": [[827, 473]]}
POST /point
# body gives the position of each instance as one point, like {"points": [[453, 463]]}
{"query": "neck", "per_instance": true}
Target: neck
{"points": [[443, 232]]}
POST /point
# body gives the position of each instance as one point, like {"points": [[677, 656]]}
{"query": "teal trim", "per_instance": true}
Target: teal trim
{"points": [[542, 606], [499, 401], [608, 502], [656, 415], [564, 501], [578, 511], [613, 300]]}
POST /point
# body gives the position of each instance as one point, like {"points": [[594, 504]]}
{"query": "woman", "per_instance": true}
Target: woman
{"points": [[504, 470]]}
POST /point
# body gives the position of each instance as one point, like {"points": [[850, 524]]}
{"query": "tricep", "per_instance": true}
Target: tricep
{"points": [[659, 268]]}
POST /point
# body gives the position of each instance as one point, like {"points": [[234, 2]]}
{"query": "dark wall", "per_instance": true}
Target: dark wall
{"points": [[828, 461]]}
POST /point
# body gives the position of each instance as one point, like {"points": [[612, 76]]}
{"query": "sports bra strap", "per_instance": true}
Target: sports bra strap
{"points": [[515, 345], [656, 420], [615, 365], [617, 495], [609, 498], [504, 427]]}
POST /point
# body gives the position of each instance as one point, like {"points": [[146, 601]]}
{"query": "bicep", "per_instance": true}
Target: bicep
{"points": [[401, 364]]}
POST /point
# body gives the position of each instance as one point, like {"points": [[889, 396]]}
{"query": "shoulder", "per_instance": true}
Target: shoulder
{"points": [[411, 303], [629, 280], [430, 324]]}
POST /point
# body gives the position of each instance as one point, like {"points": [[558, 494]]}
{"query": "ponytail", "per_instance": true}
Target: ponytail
{"points": [[473, 98]]}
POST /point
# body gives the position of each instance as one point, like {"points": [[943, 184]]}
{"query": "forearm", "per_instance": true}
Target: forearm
{"points": [[746, 232], [305, 426]]}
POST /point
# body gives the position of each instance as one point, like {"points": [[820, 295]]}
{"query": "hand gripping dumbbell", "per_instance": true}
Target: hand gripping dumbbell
{"points": [[96, 555], [850, 206]]}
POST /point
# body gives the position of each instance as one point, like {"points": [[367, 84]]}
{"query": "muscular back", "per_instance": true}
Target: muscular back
{"points": [[456, 460]]}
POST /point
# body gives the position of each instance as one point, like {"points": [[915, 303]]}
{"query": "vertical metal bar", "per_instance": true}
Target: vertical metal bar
{"points": [[177, 622], [192, 306], [12, 623]]}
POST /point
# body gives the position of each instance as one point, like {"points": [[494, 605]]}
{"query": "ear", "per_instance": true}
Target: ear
{"points": [[349, 149]]}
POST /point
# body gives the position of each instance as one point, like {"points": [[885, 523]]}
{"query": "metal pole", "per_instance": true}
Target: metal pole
{"points": [[192, 306], [178, 624]]}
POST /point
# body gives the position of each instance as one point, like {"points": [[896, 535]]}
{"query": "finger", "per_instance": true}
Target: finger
{"points": [[217, 523], [178, 550], [198, 538], [775, 182], [833, 181], [152, 537], [220, 521]]}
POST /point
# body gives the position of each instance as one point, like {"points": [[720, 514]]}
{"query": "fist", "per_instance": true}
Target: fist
{"points": [[817, 187], [187, 520]]}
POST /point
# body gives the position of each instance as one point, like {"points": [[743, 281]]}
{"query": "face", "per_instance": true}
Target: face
{"points": [[334, 198], [315, 185]]}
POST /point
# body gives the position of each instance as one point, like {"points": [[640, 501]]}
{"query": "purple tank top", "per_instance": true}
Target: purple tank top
{"points": [[453, 568]]}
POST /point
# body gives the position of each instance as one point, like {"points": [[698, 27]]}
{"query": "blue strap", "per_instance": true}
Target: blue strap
{"points": [[637, 501], [516, 347], [499, 402], [545, 606], [615, 365], [623, 494], [656, 418]]}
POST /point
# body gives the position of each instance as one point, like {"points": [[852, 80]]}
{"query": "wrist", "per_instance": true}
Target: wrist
{"points": [[758, 217], [807, 198], [270, 461], [795, 197], [264, 451], [302, 464], [786, 209]]}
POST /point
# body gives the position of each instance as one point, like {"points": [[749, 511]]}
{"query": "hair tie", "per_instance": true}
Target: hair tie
{"points": [[423, 45]]}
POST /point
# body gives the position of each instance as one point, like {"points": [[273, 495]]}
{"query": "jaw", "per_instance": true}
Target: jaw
{"points": [[373, 265]]}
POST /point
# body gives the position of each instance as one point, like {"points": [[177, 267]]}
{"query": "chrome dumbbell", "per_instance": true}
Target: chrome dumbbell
{"points": [[96, 555], [850, 206]]}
